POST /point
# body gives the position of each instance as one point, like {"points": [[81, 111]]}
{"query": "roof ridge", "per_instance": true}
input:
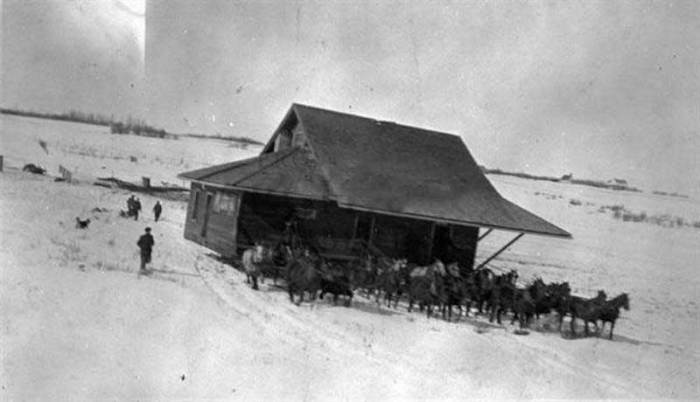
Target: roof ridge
{"points": [[376, 121]]}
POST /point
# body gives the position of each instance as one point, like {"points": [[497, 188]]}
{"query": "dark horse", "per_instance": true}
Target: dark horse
{"points": [[426, 286], [610, 311], [502, 295], [456, 292], [582, 308], [529, 302], [391, 279], [304, 275]]}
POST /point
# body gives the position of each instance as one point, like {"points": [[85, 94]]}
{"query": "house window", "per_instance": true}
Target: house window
{"points": [[225, 204], [283, 141], [195, 206]]}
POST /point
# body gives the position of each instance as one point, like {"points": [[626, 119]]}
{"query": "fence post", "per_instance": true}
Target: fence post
{"points": [[0, 163], [146, 181]]}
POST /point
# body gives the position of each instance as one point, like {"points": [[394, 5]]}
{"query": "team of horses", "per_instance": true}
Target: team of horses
{"points": [[435, 287]]}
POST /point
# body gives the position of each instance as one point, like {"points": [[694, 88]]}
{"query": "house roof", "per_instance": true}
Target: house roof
{"points": [[378, 166], [287, 173]]}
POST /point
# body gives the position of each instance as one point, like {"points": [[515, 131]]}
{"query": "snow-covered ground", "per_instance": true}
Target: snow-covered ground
{"points": [[79, 324]]}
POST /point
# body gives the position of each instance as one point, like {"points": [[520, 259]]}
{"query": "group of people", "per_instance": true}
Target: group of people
{"points": [[146, 241], [133, 206]]}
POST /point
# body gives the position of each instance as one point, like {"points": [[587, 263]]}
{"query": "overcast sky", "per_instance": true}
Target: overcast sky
{"points": [[601, 89]]}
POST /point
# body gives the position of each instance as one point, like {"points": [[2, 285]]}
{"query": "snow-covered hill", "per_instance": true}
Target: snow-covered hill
{"points": [[79, 324]]}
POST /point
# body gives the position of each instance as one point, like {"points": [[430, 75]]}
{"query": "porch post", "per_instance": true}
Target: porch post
{"points": [[430, 243], [485, 234], [497, 253]]}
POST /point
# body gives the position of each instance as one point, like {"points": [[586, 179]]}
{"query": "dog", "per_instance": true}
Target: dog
{"points": [[81, 224]]}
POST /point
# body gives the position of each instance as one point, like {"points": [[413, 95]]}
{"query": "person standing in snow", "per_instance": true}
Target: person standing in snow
{"points": [[157, 209], [137, 208], [130, 205], [145, 243]]}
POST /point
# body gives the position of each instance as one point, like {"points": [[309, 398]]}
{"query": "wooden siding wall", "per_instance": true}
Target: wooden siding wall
{"points": [[221, 228]]}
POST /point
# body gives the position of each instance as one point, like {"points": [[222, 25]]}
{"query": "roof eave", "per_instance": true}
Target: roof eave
{"points": [[563, 235]]}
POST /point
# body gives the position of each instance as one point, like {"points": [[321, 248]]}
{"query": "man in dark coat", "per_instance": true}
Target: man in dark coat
{"points": [[137, 208], [157, 209], [130, 205], [145, 243]]}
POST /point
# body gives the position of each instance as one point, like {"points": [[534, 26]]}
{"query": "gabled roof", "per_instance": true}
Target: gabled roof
{"points": [[384, 167]]}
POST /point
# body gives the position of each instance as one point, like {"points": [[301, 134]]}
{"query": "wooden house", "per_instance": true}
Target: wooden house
{"points": [[348, 185]]}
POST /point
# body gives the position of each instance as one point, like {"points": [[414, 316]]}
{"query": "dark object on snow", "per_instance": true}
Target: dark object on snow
{"points": [[32, 168], [157, 209], [146, 244], [81, 224], [337, 287]]}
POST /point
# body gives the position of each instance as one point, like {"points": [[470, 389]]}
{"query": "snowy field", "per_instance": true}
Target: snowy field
{"points": [[79, 324]]}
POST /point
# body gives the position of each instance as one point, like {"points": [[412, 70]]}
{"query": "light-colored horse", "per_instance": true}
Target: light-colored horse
{"points": [[251, 260]]}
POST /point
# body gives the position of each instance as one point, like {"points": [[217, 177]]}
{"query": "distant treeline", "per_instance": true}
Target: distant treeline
{"points": [[566, 178], [131, 126], [138, 127], [518, 174], [243, 140], [73, 115], [670, 194]]}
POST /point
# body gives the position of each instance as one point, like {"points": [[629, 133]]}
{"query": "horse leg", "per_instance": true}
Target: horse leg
{"points": [[255, 282], [612, 326], [335, 299]]}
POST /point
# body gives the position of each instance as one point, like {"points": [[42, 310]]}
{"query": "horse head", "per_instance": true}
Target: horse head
{"points": [[438, 268], [624, 301], [453, 269], [258, 253]]}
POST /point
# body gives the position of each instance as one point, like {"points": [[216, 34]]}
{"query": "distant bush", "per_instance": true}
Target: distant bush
{"points": [[665, 220], [137, 128]]}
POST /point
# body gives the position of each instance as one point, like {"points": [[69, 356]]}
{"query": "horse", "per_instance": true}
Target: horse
{"points": [[303, 275], [251, 260], [529, 302], [456, 291], [610, 311], [502, 295], [480, 286], [364, 276], [390, 279], [427, 286], [582, 308]]}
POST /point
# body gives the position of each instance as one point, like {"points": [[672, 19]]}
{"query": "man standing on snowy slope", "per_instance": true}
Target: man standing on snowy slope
{"points": [[137, 208], [157, 209], [145, 243]]}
